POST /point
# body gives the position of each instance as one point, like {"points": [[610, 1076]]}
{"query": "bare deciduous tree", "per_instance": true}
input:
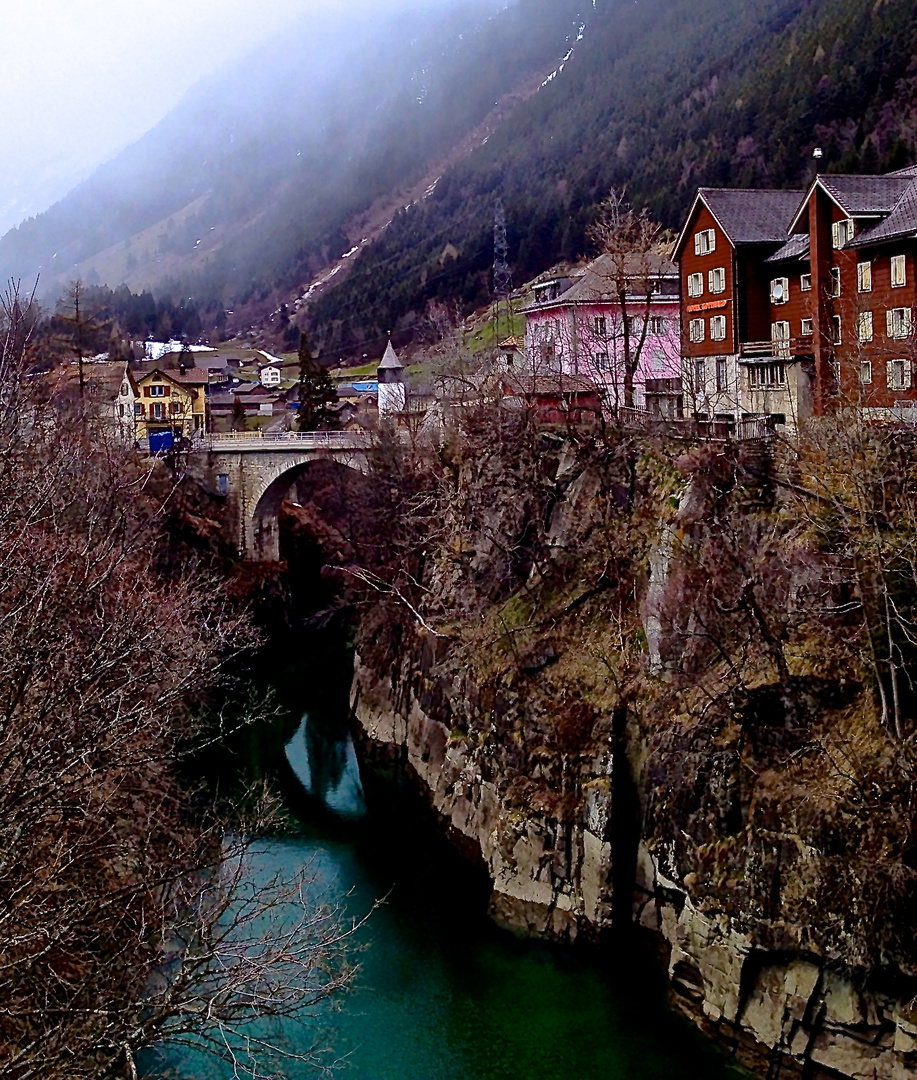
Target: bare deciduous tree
{"points": [[126, 914]]}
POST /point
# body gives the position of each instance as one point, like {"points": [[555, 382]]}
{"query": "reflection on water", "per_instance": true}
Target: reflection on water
{"points": [[442, 994], [322, 755]]}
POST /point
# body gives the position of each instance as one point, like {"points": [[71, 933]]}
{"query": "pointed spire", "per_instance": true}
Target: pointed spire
{"points": [[390, 359]]}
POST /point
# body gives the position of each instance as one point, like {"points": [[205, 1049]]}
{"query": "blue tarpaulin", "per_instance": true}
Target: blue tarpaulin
{"points": [[160, 441]]}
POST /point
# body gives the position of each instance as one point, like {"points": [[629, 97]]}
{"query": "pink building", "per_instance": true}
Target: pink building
{"points": [[576, 326]]}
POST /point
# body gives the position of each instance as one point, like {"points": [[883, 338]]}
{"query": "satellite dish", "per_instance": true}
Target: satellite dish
{"points": [[777, 290]]}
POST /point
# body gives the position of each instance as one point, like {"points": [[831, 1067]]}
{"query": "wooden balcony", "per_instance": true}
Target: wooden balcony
{"points": [[784, 349]]}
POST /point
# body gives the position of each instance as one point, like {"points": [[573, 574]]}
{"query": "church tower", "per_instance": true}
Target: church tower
{"points": [[392, 388]]}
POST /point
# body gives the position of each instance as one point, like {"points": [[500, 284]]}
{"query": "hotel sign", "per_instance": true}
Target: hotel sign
{"points": [[709, 306]]}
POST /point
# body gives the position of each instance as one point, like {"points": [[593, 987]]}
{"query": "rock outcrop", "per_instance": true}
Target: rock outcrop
{"points": [[658, 734]]}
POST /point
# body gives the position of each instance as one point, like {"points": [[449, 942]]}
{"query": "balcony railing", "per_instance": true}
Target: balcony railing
{"points": [[782, 347]]}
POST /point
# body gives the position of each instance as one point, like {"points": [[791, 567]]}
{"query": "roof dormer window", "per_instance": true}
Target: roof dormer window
{"points": [[842, 232]]}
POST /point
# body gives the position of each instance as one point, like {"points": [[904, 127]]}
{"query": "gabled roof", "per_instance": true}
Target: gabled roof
{"points": [[595, 282], [858, 195], [747, 215], [103, 378], [547, 385], [902, 221], [796, 248], [390, 359], [188, 377]]}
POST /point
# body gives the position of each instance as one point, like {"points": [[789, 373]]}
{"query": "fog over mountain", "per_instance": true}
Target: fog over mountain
{"points": [[346, 172], [302, 114]]}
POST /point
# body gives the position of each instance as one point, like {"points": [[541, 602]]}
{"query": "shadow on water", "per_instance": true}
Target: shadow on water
{"points": [[442, 993]]}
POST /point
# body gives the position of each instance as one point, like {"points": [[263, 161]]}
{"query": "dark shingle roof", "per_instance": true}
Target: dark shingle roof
{"points": [[597, 279], [858, 194], [902, 221], [749, 216], [797, 247]]}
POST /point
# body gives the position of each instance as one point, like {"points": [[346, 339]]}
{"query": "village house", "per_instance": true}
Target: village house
{"points": [[270, 375], [172, 401], [798, 302], [617, 313], [108, 391]]}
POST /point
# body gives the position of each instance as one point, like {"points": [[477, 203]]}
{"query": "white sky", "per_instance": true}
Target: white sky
{"points": [[102, 72], [82, 79]]}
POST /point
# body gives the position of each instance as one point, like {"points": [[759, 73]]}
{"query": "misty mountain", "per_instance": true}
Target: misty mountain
{"points": [[369, 153], [256, 172], [660, 97]]}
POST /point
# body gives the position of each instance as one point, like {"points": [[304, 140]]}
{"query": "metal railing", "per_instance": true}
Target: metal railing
{"points": [[229, 440]]}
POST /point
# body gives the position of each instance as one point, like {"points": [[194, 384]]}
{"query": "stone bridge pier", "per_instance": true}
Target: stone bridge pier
{"points": [[254, 472]]}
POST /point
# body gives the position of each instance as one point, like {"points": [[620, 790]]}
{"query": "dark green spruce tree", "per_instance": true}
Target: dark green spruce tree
{"points": [[317, 394]]}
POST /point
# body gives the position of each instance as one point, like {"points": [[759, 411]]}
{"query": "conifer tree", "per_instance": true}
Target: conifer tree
{"points": [[317, 394]]}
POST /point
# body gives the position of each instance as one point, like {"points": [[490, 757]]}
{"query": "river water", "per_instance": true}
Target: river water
{"points": [[442, 993]]}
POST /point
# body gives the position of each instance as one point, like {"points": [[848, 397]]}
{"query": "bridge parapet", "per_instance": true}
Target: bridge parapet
{"points": [[254, 471], [279, 441]]}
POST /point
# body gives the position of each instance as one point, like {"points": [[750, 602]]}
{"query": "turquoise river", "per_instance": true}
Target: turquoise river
{"points": [[441, 992]]}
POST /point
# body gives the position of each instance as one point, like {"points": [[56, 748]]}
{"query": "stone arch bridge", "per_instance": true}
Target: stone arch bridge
{"points": [[255, 470]]}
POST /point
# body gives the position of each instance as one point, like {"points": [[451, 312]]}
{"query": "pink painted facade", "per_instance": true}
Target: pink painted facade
{"points": [[575, 327]]}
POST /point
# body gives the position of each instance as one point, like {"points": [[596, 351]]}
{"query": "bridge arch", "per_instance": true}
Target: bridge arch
{"points": [[266, 493], [255, 471]]}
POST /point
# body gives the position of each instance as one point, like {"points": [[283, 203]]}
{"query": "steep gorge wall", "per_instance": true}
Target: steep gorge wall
{"points": [[755, 832]]}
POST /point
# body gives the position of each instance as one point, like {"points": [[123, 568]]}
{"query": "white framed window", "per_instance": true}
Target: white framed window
{"points": [[157, 410], [700, 376], [157, 391], [805, 327], [836, 329], [780, 337], [716, 279], [599, 326], [864, 326], [695, 284], [898, 322], [722, 375], [899, 271], [704, 242], [841, 232], [176, 407], [138, 409], [601, 361], [658, 325], [864, 277], [805, 282], [865, 372], [696, 330], [718, 328], [834, 285], [898, 374], [780, 290], [761, 375]]}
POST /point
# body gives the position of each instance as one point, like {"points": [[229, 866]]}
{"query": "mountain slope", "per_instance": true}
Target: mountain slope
{"points": [[661, 98], [253, 174], [358, 165]]}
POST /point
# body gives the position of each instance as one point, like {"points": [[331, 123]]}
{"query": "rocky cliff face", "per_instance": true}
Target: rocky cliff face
{"points": [[589, 738]]}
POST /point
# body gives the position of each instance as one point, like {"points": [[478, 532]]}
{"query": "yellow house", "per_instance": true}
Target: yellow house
{"points": [[172, 401]]}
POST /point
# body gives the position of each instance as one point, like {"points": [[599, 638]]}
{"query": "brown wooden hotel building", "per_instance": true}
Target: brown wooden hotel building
{"points": [[795, 302]]}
